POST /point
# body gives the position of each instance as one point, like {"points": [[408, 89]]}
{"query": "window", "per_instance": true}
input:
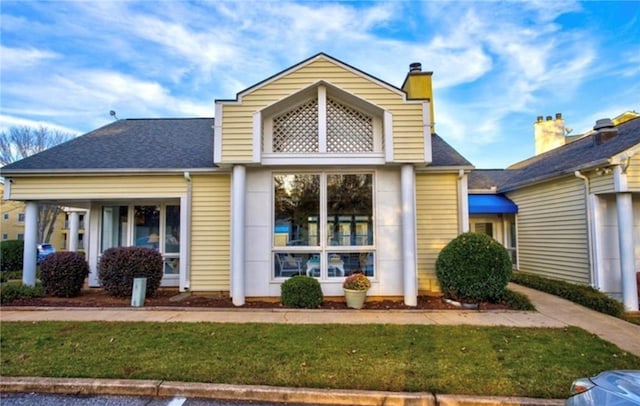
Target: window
{"points": [[5, 236], [5, 216], [19, 236], [154, 226], [323, 225], [20, 217]]}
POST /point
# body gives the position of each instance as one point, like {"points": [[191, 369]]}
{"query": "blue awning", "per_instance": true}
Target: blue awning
{"points": [[491, 204]]}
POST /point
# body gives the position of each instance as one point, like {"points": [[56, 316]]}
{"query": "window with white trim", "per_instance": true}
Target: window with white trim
{"points": [[323, 225]]}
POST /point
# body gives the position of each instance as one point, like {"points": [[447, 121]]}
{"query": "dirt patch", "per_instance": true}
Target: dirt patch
{"points": [[168, 298]]}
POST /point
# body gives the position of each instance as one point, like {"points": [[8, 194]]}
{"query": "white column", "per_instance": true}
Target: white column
{"points": [[92, 247], [74, 229], [30, 252], [238, 196], [409, 275], [624, 208]]}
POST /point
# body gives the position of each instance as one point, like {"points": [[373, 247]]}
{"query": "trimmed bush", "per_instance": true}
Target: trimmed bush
{"points": [[301, 291], [12, 291], [516, 301], [473, 268], [118, 267], [11, 255], [581, 294], [63, 273]]}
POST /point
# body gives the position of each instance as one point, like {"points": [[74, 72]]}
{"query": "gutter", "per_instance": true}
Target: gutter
{"points": [[590, 231], [104, 172]]}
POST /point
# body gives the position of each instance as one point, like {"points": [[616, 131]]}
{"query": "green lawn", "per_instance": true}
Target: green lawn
{"points": [[442, 359]]}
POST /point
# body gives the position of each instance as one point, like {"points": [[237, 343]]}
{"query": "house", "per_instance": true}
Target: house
{"points": [[578, 205], [321, 169]]}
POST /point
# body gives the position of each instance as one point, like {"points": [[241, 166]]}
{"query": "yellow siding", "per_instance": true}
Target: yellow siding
{"points": [[600, 183], [552, 230], [237, 119], [633, 174], [210, 233], [436, 223], [98, 187]]}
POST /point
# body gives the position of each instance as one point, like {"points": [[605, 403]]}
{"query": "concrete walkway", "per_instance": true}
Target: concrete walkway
{"points": [[551, 312]]}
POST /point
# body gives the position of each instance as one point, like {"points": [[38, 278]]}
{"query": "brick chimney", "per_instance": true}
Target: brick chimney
{"points": [[549, 133], [418, 86]]}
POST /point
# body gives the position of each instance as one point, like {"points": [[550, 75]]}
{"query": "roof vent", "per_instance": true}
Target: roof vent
{"points": [[605, 131], [415, 67]]}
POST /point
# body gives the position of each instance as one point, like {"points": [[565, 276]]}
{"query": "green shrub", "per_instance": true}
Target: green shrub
{"points": [[301, 291], [473, 267], [11, 255], [63, 273], [119, 266], [516, 301], [581, 294], [12, 291]]}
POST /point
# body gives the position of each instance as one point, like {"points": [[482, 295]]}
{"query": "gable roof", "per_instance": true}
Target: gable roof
{"points": [[129, 145], [580, 154], [320, 55]]}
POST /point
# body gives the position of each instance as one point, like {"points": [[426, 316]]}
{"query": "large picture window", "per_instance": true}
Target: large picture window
{"points": [[323, 225]]}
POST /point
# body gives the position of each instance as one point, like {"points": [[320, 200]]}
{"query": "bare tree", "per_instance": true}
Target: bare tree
{"points": [[20, 142]]}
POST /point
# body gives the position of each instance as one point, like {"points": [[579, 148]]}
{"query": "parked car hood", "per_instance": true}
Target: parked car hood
{"points": [[625, 384]]}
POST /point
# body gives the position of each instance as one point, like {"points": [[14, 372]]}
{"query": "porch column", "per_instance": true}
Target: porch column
{"points": [[238, 195], [409, 275], [624, 206], [30, 252], [74, 229]]}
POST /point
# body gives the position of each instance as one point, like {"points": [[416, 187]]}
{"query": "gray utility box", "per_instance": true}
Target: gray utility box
{"points": [[139, 292]]}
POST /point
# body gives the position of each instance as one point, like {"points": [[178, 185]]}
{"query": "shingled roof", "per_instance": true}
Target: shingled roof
{"points": [[581, 154], [444, 154], [129, 145], [155, 144]]}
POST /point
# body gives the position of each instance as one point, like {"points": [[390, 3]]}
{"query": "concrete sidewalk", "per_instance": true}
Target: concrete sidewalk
{"points": [[551, 312]]}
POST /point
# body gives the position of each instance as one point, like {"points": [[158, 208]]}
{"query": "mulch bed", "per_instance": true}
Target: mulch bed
{"points": [[99, 298]]}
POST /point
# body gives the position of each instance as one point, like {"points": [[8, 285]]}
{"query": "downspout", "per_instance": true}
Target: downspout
{"points": [[187, 243], [590, 230]]}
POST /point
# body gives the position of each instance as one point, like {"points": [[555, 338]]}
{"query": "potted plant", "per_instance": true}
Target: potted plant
{"points": [[355, 288]]}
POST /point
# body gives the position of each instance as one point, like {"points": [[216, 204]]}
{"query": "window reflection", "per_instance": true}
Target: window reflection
{"points": [[350, 210], [297, 209]]}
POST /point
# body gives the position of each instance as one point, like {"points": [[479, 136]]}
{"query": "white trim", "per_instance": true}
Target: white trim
{"points": [[426, 129], [257, 136], [7, 189], [217, 135], [463, 202], [624, 207], [388, 136], [238, 196], [620, 183], [74, 227], [596, 245], [95, 219], [30, 251], [323, 159], [322, 119], [409, 275]]}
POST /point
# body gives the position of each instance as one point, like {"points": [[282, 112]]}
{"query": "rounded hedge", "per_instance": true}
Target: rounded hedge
{"points": [[11, 255], [473, 267], [301, 291], [119, 266], [63, 273]]}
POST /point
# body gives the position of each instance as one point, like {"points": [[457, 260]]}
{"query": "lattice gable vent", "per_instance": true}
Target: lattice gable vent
{"points": [[348, 129], [297, 129]]}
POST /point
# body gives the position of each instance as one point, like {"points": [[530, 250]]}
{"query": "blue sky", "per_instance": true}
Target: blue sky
{"points": [[497, 65]]}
